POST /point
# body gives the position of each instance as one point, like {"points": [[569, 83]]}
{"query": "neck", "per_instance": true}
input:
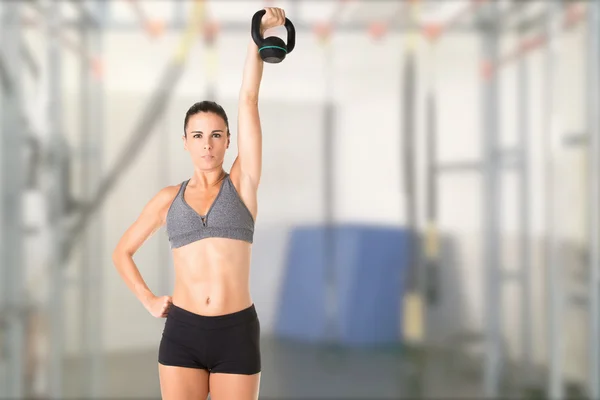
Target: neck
{"points": [[208, 178]]}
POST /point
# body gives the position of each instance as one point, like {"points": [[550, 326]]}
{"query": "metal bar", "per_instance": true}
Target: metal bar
{"points": [[574, 14], [98, 133], [4, 99], [329, 260], [413, 277], [432, 193], [87, 14], [164, 176], [453, 22], [92, 133], [578, 299], [491, 211], [379, 28], [516, 8], [144, 21], [30, 60], [294, 8], [166, 261], [64, 39], [330, 276], [593, 105], [301, 27], [211, 55], [525, 254], [458, 166], [554, 279], [576, 139], [85, 136], [5, 75], [512, 275], [178, 13], [529, 23], [507, 159], [12, 183], [54, 191]]}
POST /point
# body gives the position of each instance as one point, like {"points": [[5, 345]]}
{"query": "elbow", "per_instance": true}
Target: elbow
{"points": [[118, 254]]}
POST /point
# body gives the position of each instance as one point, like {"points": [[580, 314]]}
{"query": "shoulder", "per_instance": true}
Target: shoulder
{"points": [[161, 201], [165, 195], [168, 193]]}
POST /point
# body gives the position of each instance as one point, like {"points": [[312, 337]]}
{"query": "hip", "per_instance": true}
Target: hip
{"points": [[184, 325], [228, 343]]}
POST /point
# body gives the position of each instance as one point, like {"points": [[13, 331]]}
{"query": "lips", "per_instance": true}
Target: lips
{"points": [[207, 157]]}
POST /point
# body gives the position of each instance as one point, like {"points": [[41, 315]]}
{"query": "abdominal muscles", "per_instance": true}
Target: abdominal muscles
{"points": [[212, 276]]}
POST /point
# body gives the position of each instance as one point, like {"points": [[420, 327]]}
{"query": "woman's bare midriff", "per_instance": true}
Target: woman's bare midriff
{"points": [[212, 276]]}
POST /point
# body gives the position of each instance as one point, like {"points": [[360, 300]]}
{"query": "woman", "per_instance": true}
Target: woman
{"points": [[210, 341]]}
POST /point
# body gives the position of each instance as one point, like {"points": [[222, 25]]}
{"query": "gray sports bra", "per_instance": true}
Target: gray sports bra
{"points": [[227, 217]]}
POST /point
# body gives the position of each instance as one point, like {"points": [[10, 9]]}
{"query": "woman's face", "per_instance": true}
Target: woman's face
{"points": [[206, 140]]}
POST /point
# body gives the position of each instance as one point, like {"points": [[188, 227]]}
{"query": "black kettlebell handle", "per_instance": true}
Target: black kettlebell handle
{"points": [[259, 40]]}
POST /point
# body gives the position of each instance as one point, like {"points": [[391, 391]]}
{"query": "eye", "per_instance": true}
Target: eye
{"points": [[197, 135], [217, 135]]}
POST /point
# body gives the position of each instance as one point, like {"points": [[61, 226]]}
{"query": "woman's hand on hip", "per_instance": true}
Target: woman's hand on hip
{"points": [[159, 306]]}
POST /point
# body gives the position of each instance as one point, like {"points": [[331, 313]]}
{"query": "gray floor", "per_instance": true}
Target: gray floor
{"points": [[304, 371]]}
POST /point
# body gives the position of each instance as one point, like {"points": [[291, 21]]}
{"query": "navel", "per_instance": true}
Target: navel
{"points": [[208, 300]]}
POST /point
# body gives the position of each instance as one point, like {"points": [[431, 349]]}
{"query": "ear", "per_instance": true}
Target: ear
{"points": [[183, 138]]}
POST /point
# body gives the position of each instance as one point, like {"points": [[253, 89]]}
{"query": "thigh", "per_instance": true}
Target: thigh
{"points": [[183, 383], [234, 386]]}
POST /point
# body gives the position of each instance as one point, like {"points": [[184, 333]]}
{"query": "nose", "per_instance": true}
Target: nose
{"points": [[207, 145]]}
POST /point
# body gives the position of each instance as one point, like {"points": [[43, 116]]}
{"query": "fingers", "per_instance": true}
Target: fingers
{"points": [[275, 15], [166, 306], [280, 16]]}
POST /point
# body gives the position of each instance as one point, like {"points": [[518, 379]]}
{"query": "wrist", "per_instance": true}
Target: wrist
{"points": [[253, 52], [145, 296]]}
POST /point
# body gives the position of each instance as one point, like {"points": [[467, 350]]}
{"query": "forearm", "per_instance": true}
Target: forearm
{"points": [[253, 71], [133, 279]]}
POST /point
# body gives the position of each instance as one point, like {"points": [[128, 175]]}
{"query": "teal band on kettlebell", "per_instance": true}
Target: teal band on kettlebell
{"points": [[272, 47]]}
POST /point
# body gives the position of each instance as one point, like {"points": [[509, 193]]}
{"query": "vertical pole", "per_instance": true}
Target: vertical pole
{"points": [[210, 56], [4, 93], [179, 14], [554, 285], [593, 105], [414, 283], [331, 295], [54, 190], [432, 243], [522, 111], [164, 176], [96, 235], [164, 172], [490, 206], [88, 159], [330, 230], [12, 296]]}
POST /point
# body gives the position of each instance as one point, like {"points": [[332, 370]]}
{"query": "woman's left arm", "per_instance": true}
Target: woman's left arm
{"points": [[249, 157]]}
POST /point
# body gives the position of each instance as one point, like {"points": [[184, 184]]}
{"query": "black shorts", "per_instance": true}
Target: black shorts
{"points": [[227, 343]]}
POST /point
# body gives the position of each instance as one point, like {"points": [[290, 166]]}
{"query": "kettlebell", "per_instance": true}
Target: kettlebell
{"points": [[272, 49]]}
